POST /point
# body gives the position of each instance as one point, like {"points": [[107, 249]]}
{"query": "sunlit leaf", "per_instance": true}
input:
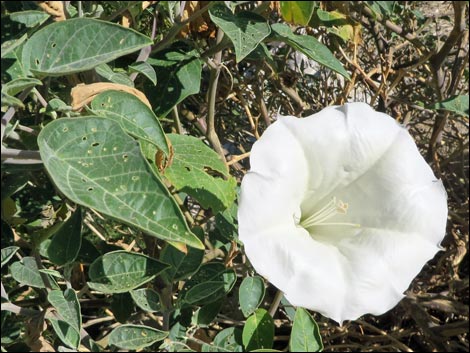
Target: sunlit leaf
{"points": [[78, 44], [96, 164]]}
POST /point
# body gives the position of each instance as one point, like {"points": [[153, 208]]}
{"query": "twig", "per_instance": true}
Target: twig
{"points": [[275, 304]]}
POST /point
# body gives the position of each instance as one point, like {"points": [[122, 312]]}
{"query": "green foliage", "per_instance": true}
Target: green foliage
{"points": [[305, 336], [77, 45], [135, 336], [126, 213], [120, 271], [258, 332]]}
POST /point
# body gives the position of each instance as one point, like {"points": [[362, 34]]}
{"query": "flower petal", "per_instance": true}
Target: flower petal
{"points": [[361, 157]]}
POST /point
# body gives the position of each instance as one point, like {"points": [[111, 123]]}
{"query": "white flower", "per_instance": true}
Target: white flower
{"points": [[340, 211]]}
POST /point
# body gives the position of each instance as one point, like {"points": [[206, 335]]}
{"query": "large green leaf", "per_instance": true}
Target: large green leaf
{"points": [[133, 115], [305, 335], [96, 164], [178, 70], [245, 29], [68, 306], [192, 171], [77, 45], [121, 271], [251, 294], [310, 46], [26, 272], [65, 244], [297, 12], [258, 332], [135, 336]]}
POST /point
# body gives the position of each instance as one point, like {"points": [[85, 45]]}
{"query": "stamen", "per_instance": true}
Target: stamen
{"points": [[331, 209]]}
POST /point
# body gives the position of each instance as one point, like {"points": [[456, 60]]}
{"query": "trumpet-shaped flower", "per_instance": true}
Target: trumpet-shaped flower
{"points": [[340, 211]]}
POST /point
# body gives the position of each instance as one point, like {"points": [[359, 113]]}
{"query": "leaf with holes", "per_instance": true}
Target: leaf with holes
{"points": [[96, 164], [67, 305], [198, 171], [121, 271], [134, 116], [258, 332], [147, 299], [79, 44], [135, 337], [178, 69], [305, 336], [310, 46], [245, 29]]}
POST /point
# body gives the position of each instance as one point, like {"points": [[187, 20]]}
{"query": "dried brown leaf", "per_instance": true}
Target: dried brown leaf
{"points": [[53, 8], [83, 94]]}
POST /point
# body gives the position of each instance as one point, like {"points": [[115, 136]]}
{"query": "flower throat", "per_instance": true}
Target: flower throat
{"points": [[320, 217]]}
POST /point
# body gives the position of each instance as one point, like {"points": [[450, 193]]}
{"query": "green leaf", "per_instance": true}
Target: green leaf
{"points": [[77, 45], [215, 275], [145, 69], [10, 45], [330, 16], [178, 69], [117, 77], [96, 164], [245, 29], [251, 294], [66, 242], [30, 18], [297, 12], [10, 101], [135, 336], [68, 306], [147, 299], [206, 313], [227, 340], [66, 333], [122, 306], [193, 169], [456, 104], [120, 271], [182, 265], [135, 117], [200, 293], [310, 46], [258, 331], [305, 335], [19, 84], [7, 253], [26, 272]]}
